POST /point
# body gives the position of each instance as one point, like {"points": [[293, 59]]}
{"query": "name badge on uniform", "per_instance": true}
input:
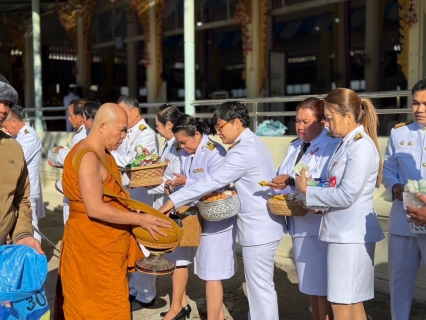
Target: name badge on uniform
{"points": [[313, 152], [200, 170]]}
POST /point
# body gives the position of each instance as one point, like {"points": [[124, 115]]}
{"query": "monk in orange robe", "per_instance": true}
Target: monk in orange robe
{"points": [[97, 247]]}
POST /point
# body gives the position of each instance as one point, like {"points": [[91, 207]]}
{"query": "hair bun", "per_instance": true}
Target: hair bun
{"points": [[202, 126]]}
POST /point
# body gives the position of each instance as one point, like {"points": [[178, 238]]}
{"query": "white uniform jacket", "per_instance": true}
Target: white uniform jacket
{"points": [[351, 218], [32, 146], [172, 156], [316, 157], [79, 135], [139, 134], [208, 158], [405, 159], [246, 164]]}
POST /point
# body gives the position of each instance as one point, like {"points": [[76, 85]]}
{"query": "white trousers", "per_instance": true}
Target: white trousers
{"points": [[34, 220], [405, 255], [259, 262], [142, 285]]}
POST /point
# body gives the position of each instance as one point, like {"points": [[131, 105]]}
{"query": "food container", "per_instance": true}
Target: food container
{"points": [[191, 223], [283, 205], [412, 200], [53, 157], [220, 209], [146, 176]]}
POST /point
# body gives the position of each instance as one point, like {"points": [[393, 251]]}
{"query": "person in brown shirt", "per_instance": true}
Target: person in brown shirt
{"points": [[15, 206]]}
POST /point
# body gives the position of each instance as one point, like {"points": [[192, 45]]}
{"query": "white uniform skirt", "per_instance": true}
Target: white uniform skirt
{"points": [[216, 255], [350, 272], [182, 256], [310, 255]]}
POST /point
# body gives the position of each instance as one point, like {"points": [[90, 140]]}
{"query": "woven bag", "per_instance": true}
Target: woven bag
{"points": [[286, 208]]}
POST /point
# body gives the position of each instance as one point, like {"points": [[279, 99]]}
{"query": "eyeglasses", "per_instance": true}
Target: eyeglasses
{"points": [[219, 127]]}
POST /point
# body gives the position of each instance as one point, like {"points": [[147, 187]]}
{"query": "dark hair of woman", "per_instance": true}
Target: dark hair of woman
{"points": [[231, 110], [168, 112], [190, 125], [315, 105]]}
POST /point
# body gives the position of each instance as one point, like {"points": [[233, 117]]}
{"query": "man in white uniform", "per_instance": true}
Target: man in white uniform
{"points": [[405, 159], [76, 110], [31, 144], [71, 96], [142, 286]]}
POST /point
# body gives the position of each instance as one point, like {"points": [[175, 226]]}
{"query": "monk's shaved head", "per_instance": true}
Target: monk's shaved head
{"points": [[107, 113], [109, 126]]}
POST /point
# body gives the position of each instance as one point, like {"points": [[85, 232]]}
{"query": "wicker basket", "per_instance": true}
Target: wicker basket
{"points": [[191, 226], [220, 209], [286, 208], [146, 176]]}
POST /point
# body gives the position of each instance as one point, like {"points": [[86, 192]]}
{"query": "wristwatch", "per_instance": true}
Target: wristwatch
{"points": [[291, 181]]}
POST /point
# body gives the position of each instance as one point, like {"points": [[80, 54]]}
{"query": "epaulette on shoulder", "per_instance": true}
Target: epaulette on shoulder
{"points": [[176, 146], [330, 134], [26, 131], [210, 145], [399, 125], [142, 127], [293, 140], [234, 144], [358, 136], [79, 130]]}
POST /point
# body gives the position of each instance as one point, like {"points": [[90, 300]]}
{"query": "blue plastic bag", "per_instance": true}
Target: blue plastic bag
{"points": [[271, 128], [22, 275]]}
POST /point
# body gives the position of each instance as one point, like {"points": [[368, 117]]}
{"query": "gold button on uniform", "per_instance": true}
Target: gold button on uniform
{"points": [[424, 165]]}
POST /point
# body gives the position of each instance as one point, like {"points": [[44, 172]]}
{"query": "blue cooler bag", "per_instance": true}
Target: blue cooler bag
{"points": [[22, 275]]}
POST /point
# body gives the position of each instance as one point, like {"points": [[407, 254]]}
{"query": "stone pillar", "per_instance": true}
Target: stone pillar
{"points": [[80, 51], [372, 46], [151, 70], [29, 68], [189, 39], [323, 63], [416, 47], [132, 59], [340, 46], [252, 58], [36, 50]]}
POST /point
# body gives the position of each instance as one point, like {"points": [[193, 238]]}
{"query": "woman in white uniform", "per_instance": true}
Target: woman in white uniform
{"points": [[350, 227], [314, 147], [215, 257]]}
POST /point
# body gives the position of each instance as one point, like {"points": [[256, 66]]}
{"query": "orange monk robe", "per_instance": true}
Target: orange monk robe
{"points": [[95, 255]]}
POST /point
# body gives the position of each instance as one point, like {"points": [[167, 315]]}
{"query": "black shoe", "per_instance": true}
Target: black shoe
{"points": [[131, 298], [187, 309], [181, 315], [147, 304]]}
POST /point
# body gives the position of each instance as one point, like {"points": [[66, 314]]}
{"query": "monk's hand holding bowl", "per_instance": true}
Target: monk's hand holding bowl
{"points": [[167, 186], [153, 224], [302, 181]]}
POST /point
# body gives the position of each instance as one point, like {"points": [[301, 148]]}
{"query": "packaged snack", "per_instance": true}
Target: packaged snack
{"points": [[422, 185]]}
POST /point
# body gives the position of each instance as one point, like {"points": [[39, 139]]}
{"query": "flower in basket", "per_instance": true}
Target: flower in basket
{"points": [[142, 160]]}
